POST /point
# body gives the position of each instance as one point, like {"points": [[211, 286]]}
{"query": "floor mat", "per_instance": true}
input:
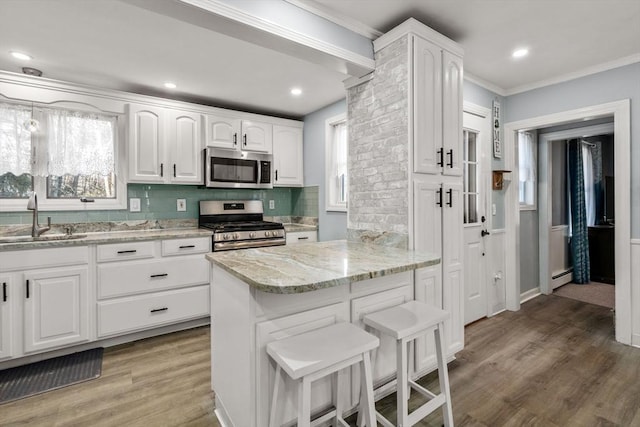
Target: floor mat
{"points": [[39, 377], [593, 293]]}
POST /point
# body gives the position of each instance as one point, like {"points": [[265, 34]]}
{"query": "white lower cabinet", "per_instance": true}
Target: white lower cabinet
{"points": [[302, 237], [143, 285], [6, 316], [123, 315], [56, 308]]}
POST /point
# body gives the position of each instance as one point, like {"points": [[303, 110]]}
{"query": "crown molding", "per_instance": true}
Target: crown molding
{"points": [[332, 15], [484, 83], [621, 62], [413, 26]]}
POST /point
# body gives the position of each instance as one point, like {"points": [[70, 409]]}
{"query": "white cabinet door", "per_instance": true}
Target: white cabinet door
{"points": [[452, 114], [7, 297], [222, 132], [284, 327], [427, 205], [452, 266], [257, 136], [56, 308], [427, 106], [146, 143], [287, 156], [428, 289], [185, 140]]}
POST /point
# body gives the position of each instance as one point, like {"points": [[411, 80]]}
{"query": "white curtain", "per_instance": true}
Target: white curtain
{"points": [[589, 188], [526, 167], [15, 139], [79, 143]]}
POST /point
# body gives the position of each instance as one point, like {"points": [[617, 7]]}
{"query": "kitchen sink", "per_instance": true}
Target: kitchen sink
{"points": [[44, 238]]}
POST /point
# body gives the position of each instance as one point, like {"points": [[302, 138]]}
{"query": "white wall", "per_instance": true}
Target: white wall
{"points": [[332, 225]]}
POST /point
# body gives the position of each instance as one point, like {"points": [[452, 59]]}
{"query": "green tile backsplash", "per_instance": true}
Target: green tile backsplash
{"points": [[159, 202]]}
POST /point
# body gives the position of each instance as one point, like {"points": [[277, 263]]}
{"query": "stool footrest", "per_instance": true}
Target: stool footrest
{"points": [[426, 409], [423, 391], [331, 415]]}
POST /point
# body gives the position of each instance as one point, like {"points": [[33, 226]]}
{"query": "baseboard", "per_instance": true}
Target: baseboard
{"points": [[635, 340], [530, 294]]}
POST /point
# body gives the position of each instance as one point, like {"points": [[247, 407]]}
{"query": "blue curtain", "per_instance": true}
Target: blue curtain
{"points": [[579, 236]]}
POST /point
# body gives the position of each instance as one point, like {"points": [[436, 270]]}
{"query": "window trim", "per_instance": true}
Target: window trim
{"points": [[39, 184], [330, 123]]}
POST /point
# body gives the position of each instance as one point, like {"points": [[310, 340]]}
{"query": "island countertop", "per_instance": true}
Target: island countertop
{"points": [[311, 266]]}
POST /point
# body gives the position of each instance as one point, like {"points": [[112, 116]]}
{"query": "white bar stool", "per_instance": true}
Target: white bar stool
{"points": [[312, 355], [405, 323]]}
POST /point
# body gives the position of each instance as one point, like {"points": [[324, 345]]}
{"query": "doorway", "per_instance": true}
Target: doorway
{"points": [[620, 112], [476, 178]]}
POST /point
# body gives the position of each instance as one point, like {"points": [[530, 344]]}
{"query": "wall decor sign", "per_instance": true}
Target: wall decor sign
{"points": [[497, 145]]}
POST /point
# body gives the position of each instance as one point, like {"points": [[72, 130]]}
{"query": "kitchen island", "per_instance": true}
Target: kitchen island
{"points": [[261, 295]]}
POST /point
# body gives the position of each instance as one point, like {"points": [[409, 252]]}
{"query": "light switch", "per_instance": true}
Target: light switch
{"points": [[181, 205], [493, 209], [134, 205]]}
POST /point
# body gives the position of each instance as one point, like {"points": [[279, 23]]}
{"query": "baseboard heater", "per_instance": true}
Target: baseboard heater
{"points": [[564, 273]]}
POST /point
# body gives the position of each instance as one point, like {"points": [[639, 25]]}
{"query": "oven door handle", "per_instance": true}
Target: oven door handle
{"points": [[225, 246]]}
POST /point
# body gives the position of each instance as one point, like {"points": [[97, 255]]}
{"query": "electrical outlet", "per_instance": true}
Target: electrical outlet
{"points": [[134, 205], [181, 205], [272, 204]]}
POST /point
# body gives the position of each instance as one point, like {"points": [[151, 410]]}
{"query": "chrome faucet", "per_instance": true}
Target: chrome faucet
{"points": [[32, 205]]}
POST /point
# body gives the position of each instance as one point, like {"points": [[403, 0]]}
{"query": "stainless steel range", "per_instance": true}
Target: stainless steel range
{"points": [[239, 225]]}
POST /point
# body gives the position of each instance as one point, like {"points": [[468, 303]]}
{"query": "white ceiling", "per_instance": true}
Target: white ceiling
{"points": [[112, 44]]}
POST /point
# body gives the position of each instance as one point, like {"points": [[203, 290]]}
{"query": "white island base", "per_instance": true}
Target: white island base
{"points": [[245, 319]]}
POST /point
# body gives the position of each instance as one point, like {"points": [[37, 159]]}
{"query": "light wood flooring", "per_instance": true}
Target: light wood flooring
{"points": [[553, 363]]}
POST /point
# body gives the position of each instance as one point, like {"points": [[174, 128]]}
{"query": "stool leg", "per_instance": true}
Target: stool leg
{"points": [[304, 402], [401, 388], [367, 401], [338, 401], [410, 369], [274, 396], [443, 377]]}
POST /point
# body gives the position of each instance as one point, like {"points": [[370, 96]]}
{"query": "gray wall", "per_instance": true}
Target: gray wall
{"points": [[484, 98], [332, 225], [608, 86], [529, 246]]}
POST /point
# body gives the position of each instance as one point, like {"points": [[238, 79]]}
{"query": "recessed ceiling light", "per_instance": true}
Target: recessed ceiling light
{"points": [[519, 53], [170, 85], [22, 56], [296, 91]]}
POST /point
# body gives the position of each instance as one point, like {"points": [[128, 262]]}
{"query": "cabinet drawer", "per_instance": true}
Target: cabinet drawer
{"points": [[197, 245], [148, 311], [123, 251], [302, 236], [39, 258], [150, 276]]}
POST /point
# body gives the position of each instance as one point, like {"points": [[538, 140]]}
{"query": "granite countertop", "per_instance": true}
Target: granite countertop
{"points": [[10, 243], [311, 266]]}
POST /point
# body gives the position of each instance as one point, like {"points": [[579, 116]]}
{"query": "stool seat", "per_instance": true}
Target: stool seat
{"points": [[406, 319], [310, 352]]}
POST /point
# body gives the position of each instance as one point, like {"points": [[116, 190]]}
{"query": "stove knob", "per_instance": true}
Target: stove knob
{"points": [[252, 235], [225, 236], [235, 236], [267, 233]]}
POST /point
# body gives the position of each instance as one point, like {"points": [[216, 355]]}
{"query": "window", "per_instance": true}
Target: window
{"points": [[470, 163], [65, 156], [336, 165], [527, 167]]}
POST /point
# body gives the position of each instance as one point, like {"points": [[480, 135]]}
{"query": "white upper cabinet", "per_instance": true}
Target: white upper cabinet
{"points": [[287, 156], [237, 134], [146, 143], [257, 136], [185, 147], [165, 145], [222, 132], [438, 109]]}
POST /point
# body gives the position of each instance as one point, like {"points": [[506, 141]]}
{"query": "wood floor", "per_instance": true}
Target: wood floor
{"points": [[553, 363]]}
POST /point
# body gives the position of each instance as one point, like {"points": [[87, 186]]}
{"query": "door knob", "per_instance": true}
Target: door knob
{"points": [[484, 233]]}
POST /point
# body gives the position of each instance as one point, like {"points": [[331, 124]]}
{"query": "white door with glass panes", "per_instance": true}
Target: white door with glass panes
{"points": [[476, 225]]}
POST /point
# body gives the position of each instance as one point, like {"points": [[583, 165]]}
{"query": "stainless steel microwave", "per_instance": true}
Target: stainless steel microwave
{"points": [[237, 169]]}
